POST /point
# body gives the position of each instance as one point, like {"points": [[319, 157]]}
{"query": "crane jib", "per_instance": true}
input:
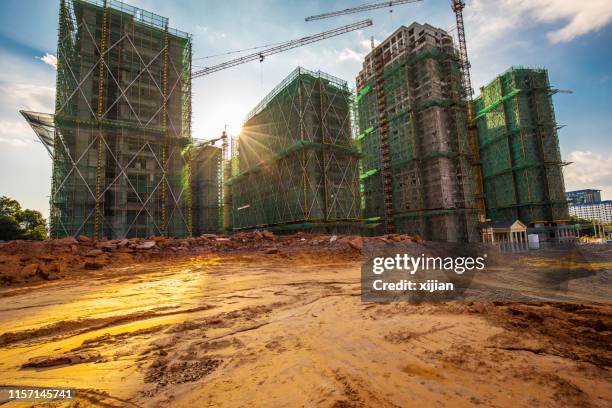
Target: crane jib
{"points": [[260, 55]]}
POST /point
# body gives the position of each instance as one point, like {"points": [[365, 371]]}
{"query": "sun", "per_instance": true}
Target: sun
{"points": [[234, 127]]}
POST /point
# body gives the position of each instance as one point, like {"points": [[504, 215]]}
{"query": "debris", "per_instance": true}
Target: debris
{"points": [[92, 265], [356, 243], [122, 243], [107, 245], [146, 245], [66, 359], [66, 241], [29, 270], [62, 261], [268, 235]]}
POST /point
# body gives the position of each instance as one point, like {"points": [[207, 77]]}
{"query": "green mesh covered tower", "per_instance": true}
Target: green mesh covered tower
{"points": [[416, 166], [519, 149], [296, 167], [122, 118], [206, 189]]}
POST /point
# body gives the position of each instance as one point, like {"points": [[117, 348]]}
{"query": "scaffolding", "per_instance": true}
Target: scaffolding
{"points": [[122, 119], [519, 149], [416, 163], [295, 167], [206, 189]]}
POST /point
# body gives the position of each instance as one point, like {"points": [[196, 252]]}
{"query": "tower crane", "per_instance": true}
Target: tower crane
{"points": [[261, 55], [458, 6], [358, 9]]}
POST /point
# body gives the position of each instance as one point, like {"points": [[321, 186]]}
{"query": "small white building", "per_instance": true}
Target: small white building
{"points": [[600, 211], [510, 235]]}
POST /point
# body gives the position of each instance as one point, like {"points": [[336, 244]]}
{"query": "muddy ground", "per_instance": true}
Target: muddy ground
{"points": [[260, 320]]}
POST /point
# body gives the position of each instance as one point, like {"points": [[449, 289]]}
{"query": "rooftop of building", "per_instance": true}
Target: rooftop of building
{"points": [[403, 27], [332, 80], [590, 204], [142, 16], [586, 190], [509, 70], [503, 224]]}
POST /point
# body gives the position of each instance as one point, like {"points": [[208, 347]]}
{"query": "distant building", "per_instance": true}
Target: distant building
{"points": [[583, 196], [206, 189], [600, 211]]}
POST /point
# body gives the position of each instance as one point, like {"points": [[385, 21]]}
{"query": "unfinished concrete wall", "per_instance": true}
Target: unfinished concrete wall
{"points": [[413, 125]]}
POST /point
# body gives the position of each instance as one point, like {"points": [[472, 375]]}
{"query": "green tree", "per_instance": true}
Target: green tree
{"points": [[9, 207], [18, 223], [32, 224], [9, 228]]}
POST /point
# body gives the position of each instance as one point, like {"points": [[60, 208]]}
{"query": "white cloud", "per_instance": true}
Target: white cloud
{"points": [[211, 34], [13, 142], [367, 44], [589, 170], [13, 133], [49, 59], [580, 17], [358, 54], [489, 21], [349, 54], [27, 96]]}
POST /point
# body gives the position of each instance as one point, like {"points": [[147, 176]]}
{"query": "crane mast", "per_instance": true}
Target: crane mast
{"points": [[283, 47], [458, 6], [358, 9]]}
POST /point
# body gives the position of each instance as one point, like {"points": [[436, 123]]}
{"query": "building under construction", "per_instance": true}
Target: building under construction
{"points": [[519, 149], [296, 167], [206, 166], [122, 119], [416, 172]]}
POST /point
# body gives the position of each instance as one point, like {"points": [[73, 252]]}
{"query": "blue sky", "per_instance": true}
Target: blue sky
{"points": [[572, 39]]}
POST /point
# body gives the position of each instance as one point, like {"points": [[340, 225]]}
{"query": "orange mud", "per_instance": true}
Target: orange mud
{"points": [[250, 326]]}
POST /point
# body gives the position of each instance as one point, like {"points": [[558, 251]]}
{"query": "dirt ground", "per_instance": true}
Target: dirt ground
{"points": [[278, 322]]}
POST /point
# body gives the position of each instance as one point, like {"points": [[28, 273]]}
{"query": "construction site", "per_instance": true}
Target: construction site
{"points": [[228, 269], [407, 151]]}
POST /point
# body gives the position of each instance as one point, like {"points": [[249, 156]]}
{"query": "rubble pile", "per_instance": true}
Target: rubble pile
{"points": [[32, 261]]}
